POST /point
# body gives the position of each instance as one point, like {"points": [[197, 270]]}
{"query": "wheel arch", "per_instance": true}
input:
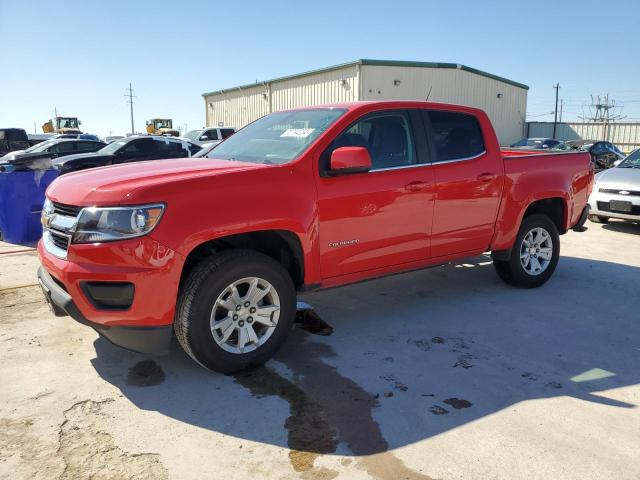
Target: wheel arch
{"points": [[283, 246]]}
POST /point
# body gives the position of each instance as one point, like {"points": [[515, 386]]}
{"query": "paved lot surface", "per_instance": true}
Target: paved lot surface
{"points": [[445, 373]]}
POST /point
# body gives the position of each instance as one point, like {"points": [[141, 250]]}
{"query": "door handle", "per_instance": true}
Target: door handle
{"points": [[486, 177], [415, 186]]}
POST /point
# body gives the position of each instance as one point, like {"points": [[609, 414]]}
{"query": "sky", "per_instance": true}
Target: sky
{"points": [[79, 56]]}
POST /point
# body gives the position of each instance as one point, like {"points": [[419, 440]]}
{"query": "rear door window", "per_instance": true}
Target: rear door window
{"points": [[226, 132], [456, 136]]}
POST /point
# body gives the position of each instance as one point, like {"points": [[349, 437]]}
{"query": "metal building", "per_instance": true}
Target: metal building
{"points": [[504, 100]]}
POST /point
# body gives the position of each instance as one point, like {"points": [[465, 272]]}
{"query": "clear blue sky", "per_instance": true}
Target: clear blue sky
{"points": [[79, 56]]}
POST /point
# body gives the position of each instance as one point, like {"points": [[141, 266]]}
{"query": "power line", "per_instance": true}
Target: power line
{"points": [[555, 114], [130, 96]]}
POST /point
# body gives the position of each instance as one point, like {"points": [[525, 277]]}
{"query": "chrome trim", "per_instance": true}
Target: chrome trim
{"points": [[51, 247], [430, 164], [401, 167], [464, 159]]}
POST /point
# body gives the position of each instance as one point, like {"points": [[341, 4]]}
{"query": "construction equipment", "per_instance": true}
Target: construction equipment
{"points": [[62, 125], [161, 126]]}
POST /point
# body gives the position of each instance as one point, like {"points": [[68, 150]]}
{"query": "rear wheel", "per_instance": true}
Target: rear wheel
{"points": [[235, 310], [534, 256], [598, 219]]}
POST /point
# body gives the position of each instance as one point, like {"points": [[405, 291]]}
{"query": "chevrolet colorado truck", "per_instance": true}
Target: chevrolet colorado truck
{"points": [[215, 248]]}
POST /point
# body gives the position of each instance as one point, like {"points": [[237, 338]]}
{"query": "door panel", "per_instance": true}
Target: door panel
{"points": [[468, 184], [382, 217]]}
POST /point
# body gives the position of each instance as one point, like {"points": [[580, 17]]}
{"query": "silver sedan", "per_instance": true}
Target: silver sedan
{"points": [[616, 193]]}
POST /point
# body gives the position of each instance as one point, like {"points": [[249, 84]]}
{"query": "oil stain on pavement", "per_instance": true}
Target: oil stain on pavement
{"points": [[146, 373], [326, 409]]}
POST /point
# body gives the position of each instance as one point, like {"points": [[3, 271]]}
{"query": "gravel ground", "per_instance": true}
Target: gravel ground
{"points": [[444, 373]]}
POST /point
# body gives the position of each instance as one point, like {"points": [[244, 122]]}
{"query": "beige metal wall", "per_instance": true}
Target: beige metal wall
{"points": [[240, 106], [450, 85], [626, 136], [236, 108], [332, 86]]}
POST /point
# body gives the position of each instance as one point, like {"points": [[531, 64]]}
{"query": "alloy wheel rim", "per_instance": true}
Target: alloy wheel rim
{"points": [[536, 251], [245, 315]]}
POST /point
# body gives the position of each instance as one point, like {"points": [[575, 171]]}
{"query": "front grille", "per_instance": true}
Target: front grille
{"points": [[59, 240], [67, 210], [615, 191], [605, 207]]}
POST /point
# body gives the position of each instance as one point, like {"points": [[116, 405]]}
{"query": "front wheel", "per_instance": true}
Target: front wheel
{"points": [[235, 310], [598, 219], [534, 256]]}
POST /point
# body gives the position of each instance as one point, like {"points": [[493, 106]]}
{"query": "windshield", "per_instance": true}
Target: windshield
{"points": [[193, 134], [39, 147], [113, 147], [632, 161], [277, 138]]}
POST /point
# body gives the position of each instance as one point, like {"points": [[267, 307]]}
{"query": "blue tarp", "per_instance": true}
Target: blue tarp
{"points": [[21, 199]]}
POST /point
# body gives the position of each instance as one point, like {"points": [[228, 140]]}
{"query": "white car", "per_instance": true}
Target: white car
{"points": [[209, 136], [616, 193]]}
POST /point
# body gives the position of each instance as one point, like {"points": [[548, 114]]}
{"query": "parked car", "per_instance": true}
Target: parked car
{"points": [[603, 154], [132, 149], [54, 149], [13, 139], [216, 247], [540, 143], [209, 135], [83, 136], [617, 192]]}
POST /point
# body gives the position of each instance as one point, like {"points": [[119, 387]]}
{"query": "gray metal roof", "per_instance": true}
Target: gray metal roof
{"points": [[384, 63]]}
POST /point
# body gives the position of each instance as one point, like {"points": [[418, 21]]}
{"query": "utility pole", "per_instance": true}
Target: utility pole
{"points": [[555, 113], [130, 97]]}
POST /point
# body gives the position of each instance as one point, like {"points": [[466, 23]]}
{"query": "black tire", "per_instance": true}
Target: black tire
{"points": [[199, 293], [512, 270], [598, 219]]}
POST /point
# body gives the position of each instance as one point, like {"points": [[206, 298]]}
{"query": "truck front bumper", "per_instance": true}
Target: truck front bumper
{"points": [[126, 290], [155, 340]]}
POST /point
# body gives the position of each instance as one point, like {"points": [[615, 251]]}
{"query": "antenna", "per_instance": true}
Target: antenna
{"points": [[429, 94], [130, 96]]}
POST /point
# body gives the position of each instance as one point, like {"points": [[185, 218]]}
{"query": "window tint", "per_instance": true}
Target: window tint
{"points": [[455, 135], [227, 132], [88, 146], [66, 147], [137, 147], [170, 148], [193, 148], [387, 136], [211, 134]]}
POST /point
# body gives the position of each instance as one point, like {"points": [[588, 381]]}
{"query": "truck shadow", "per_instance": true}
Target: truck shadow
{"points": [[622, 227], [411, 356]]}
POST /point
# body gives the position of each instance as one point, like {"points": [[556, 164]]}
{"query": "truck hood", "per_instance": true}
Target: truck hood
{"points": [[114, 185], [619, 178]]}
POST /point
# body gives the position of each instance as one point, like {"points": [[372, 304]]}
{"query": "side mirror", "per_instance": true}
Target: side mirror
{"points": [[350, 160]]}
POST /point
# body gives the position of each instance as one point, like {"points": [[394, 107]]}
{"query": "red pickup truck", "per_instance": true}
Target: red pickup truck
{"points": [[215, 248]]}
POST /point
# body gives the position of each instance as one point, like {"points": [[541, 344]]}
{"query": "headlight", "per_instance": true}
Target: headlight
{"points": [[116, 223]]}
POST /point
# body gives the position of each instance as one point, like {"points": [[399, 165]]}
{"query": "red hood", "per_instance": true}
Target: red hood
{"points": [[115, 184]]}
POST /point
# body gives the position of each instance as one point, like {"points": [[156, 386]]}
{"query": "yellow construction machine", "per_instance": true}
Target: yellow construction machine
{"points": [[62, 125], [161, 126]]}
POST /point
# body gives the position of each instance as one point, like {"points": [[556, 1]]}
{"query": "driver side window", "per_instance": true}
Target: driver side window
{"points": [[387, 137]]}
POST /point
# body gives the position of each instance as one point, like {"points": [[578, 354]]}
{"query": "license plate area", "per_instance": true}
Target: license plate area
{"points": [[620, 206]]}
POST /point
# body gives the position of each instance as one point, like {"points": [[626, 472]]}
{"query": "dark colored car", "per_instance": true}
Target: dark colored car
{"points": [[12, 139], [82, 136], [603, 154], [53, 149], [540, 144], [133, 149]]}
